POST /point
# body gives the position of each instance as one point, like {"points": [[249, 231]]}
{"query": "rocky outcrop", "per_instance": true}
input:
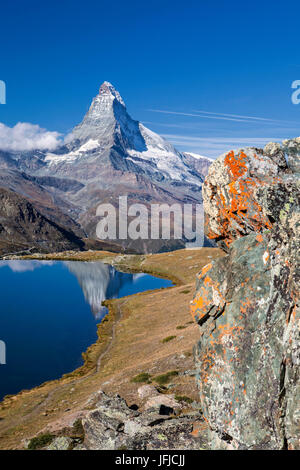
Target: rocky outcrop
{"points": [[247, 303], [292, 149], [22, 226], [112, 425]]}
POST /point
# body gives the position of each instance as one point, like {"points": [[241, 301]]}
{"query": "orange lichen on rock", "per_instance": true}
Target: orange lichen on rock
{"points": [[206, 297], [236, 163], [205, 270], [199, 306], [236, 203]]}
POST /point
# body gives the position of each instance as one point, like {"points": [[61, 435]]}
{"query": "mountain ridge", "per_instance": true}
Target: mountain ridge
{"points": [[107, 155]]}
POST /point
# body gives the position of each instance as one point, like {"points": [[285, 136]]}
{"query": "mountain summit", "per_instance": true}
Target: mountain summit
{"points": [[108, 89], [108, 155], [106, 113], [107, 126]]}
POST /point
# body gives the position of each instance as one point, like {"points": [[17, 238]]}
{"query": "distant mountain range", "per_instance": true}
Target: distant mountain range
{"points": [[107, 155]]}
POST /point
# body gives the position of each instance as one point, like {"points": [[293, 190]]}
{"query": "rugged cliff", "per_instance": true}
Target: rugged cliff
{"points": [[24, 227], [247, 303]]}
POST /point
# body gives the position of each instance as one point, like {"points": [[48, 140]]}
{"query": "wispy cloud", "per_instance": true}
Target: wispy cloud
{"points": [[223, 116], [25, 136], [247, 118], [195, 115], [214, 146], [238, 140]]}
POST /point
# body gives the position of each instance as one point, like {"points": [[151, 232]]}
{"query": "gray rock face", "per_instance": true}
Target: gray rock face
{"points": [[60, 443], [292, 149], [22, 226], [247, 307], [276, 153], [112, 426]]}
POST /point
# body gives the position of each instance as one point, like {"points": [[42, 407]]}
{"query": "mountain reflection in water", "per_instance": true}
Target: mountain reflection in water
{"points": [[98, 282], [49, 312]]}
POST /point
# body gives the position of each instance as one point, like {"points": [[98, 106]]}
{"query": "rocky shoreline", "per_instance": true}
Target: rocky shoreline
{"points": [[58, 405]]}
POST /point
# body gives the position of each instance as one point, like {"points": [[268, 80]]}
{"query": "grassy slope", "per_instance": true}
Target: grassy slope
{"points": [[130, 342]]}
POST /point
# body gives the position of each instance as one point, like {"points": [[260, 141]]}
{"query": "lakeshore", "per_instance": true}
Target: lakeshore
{"points": [[125, 349]]}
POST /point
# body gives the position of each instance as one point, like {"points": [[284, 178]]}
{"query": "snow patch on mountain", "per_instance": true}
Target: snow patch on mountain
{"points": [[91, 144], [199, 157], [162, 155]]}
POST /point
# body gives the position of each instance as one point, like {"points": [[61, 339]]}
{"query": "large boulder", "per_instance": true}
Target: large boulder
{"points": [[247, 304], [292, 149], [230, 195]]}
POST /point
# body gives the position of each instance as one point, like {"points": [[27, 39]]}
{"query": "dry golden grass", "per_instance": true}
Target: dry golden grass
{"points": [[130, 342]]}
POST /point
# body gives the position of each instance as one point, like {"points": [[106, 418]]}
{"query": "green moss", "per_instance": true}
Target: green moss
{"points": [[186, 291], [180, 327], [168, 338], [40, 441], [77, 428], [165, 378], [142, 377], [183, 398]]}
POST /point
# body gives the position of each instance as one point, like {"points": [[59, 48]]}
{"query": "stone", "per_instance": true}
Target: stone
{"points": [[112, 425], [60, 443], [247, 306], [162, 400], [276, 153], [232, 208], [146, 391], [292, 149]]}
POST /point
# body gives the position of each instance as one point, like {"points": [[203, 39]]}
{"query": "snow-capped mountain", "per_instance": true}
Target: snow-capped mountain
{"points": [[108, 125], [107, 155]]}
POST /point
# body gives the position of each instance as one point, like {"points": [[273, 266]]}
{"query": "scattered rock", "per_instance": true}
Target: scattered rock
{"points": [[113, 425]]}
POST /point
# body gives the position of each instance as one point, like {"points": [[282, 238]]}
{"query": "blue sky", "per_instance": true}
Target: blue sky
{"points": [[170, 60]]}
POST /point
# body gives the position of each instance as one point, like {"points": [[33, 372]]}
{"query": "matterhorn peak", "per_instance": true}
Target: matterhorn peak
{"points": [[109, 139], [108, 89], [107, 108]]}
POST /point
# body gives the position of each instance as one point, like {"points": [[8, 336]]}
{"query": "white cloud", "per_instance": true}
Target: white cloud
{"points": [[215, 146], [25, 136], [18, 266]]}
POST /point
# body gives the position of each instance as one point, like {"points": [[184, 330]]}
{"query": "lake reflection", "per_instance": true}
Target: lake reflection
{"points": [[49, 312]]}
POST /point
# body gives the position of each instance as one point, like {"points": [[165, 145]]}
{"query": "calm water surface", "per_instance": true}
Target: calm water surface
{"points": [[49, 312]]}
